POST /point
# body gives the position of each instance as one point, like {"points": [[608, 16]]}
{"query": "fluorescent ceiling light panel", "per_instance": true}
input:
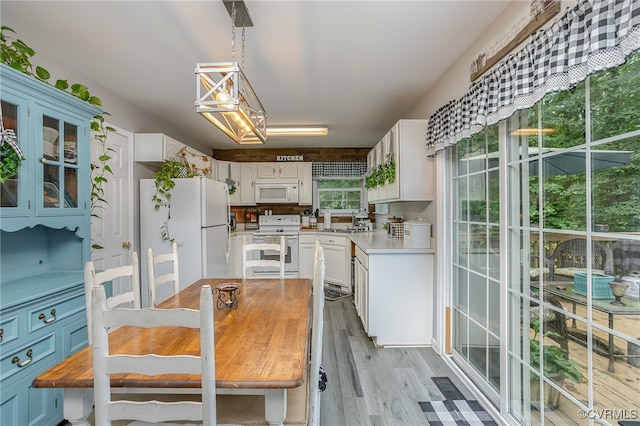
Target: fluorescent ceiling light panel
{"points": [[298, 131]]}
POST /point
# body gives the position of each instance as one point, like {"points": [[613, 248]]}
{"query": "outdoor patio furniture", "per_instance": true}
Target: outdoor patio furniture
{"points": [[570, 256]]}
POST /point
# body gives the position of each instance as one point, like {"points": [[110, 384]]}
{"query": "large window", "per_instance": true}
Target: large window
{"points": [[339, 194], [570, 222], [476, 261], [573, 225]]}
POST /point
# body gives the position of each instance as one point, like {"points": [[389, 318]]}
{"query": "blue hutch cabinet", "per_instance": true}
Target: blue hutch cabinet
{"points": [[45, 239]]}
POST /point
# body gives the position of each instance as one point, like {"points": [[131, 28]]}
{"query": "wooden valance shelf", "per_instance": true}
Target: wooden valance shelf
{"points": [[531, 27]]}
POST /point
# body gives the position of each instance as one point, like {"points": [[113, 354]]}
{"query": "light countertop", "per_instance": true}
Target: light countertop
{"points": [[374, 242], [377, 242]]}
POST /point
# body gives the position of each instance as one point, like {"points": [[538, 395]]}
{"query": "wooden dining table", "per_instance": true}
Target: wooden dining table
{"points": [[262, 348]]}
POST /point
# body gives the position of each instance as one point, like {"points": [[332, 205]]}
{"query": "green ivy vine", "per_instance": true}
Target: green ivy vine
{"points": [[231, 185], [381, 174], [169, 170], [371, 180], [9, 162]]}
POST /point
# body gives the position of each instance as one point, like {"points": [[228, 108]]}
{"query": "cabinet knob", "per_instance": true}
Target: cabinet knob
{"points": [[126, 245]]}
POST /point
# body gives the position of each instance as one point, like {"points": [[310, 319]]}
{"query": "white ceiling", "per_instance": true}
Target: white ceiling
{"points": [[355, 66]]}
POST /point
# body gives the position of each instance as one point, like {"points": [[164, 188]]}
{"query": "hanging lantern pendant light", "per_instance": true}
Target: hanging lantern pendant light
{"points": [[225, 97]]}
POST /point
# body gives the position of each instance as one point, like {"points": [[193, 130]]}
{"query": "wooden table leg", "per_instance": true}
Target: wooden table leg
{"points": [[275, 406], [77, 405]]}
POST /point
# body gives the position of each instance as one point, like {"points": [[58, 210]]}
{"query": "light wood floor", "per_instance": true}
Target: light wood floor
{"points": [[374, 386]]}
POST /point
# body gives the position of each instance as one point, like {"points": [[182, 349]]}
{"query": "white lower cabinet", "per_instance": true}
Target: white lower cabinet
{"points": [[361, 287], [235, 252], [336, 260], [307, 248], [234, 259], [394, 297]]}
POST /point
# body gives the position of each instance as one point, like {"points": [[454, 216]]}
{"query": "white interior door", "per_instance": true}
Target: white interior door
{"points": [[112, 228]]}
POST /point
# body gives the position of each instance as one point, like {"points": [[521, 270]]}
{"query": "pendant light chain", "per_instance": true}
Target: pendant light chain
{"points": [[233, 36], [233, 31], [243, 38]]}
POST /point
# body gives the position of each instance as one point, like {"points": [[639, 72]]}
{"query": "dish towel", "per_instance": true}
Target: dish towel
{"points": [[276, 241]]}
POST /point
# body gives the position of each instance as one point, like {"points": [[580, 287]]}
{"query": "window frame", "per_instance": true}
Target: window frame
{"points": [[339, 212]]}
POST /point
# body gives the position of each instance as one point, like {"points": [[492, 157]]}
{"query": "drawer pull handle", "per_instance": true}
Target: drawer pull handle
{"points": [[46, 320], [24, 363]]}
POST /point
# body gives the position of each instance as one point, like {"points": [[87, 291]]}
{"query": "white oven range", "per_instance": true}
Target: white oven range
{"points": [[271, 228]]}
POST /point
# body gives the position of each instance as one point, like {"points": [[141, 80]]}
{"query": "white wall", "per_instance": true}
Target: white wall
{"points": [[455, 81], [453, 84], [122, 113]]}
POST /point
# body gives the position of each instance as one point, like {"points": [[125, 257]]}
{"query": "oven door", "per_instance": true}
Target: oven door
{"points": [[291, 258]]}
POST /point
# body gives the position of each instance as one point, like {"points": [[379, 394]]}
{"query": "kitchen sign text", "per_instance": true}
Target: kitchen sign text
{"points": [[289, 157]]}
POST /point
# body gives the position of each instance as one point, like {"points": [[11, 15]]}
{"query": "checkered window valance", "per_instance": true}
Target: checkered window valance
{"points": [[338, 169], [591, 36]]}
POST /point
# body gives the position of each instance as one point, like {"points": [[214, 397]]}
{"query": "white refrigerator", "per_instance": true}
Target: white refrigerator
{"points": [[198, 222]]}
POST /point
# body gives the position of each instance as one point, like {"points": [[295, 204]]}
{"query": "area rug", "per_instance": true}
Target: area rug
{"points": [[455, 412], [455, 409], [447, 388], [332, 294]]}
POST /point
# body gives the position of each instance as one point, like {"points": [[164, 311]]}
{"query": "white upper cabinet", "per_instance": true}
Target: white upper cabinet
{"points": [[305, 189], [229, 173], [247, 179], [400, 166], [156, 147], [239, 177], [277, 170]]}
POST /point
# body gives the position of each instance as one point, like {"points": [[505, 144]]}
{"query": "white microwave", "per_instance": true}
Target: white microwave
{"points": [[276, 191]]}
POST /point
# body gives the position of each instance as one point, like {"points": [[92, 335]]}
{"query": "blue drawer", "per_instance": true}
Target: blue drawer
{"points": [[17, 363], [49, 313]]}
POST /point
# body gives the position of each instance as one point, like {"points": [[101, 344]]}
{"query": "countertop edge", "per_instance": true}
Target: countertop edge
{"points": [[374, 242]]}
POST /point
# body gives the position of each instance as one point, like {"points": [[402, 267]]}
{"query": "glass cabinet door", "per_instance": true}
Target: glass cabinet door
{"points": [[59, 163], [9, 185]]}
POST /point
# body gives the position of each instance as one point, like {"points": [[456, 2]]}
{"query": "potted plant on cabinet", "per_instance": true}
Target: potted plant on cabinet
{"points": [[556, 364]]}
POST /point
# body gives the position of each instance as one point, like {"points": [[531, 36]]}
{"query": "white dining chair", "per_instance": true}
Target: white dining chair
{"points": [[141, 410], [270, 249], [313, 416], [162, 272], [117, 277]]}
